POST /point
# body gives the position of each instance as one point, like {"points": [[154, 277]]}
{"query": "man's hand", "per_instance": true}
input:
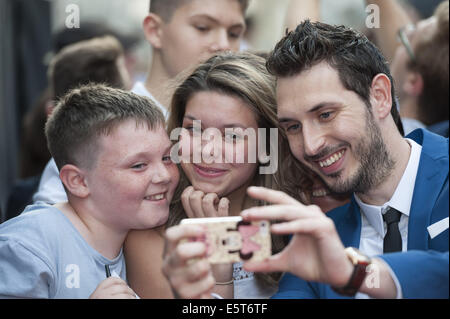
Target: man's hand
{"points": [[315, 252]]}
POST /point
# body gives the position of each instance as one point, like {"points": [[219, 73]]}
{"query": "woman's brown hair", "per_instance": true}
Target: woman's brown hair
{"points": [[242, 75]]}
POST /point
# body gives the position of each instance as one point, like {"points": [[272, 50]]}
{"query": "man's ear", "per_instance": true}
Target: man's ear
{"points": [[413, 84], [74, 180], [152, 26], [380, 96]]}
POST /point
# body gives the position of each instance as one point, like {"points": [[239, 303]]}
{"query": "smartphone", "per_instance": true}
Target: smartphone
{"points": [[230, 239]]}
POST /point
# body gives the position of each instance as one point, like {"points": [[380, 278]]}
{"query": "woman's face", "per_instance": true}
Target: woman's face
{"points": [[221, 140]]}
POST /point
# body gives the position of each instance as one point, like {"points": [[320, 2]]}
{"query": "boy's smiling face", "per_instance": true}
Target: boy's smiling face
{"points": [[133, 179]]}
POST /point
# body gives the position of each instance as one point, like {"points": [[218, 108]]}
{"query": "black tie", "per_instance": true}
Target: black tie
{"points": [[393, 239]]}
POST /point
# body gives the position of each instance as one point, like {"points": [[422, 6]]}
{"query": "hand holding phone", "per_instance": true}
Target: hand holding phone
{"points": [[230, 239]]}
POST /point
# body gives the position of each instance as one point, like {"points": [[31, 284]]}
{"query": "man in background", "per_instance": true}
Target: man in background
{"points": [[99, 60], [419, 56], [185, 33]]}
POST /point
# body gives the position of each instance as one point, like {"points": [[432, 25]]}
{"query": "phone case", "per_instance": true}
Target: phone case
{"points": [[230, 239]]}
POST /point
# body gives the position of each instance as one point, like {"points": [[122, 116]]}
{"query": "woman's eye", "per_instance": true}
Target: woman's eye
{"points": [[192, 129]]}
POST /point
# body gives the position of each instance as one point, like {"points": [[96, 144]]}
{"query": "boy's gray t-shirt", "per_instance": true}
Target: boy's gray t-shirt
{"points": [[42, 255]]}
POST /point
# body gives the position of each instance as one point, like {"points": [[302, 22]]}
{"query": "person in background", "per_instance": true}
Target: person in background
{"points": [[298, 11], [98, 60], [420, 64], [34, 154], [184, 33], [93, 29]]}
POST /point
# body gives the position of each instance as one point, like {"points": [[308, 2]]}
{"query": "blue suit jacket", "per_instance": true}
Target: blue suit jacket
{"points": [[423, 271]]}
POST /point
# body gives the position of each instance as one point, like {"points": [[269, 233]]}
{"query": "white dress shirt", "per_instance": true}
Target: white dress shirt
{"points": [[373, 228]]}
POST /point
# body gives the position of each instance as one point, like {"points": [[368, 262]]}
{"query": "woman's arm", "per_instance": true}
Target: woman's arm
{"points": [[223, 274], [300, 10], [143, 253]]}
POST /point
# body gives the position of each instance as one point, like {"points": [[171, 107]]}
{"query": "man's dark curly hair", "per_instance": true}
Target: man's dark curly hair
{"points": [[356, 59]]}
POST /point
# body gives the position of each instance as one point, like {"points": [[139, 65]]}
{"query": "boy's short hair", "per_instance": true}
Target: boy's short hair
{"points": [[88, 112], [84, 62], [166, 8]]}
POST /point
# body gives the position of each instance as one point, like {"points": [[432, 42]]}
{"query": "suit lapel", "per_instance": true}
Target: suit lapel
{"points": [[432, 172]]}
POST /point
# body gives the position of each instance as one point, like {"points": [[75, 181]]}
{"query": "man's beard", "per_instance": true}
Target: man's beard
{"points": [[375, 163]]}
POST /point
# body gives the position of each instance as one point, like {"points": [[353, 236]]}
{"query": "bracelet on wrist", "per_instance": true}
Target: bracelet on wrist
{"points": [[225, 283]]}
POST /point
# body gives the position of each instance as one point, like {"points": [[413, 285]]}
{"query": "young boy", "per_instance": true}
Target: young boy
{"points": [[183, 33], [113, 155]]}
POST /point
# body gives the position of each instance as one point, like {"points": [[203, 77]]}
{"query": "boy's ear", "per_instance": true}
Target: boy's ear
{"points": [[152, 26], [380, 96], [74, 180], [413, 84]]}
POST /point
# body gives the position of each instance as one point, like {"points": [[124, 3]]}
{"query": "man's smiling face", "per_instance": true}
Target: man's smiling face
{"points": [[331, 130]]}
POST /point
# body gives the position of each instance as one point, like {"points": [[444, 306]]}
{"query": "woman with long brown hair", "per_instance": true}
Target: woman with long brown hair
{"points": [[232, 94]]}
